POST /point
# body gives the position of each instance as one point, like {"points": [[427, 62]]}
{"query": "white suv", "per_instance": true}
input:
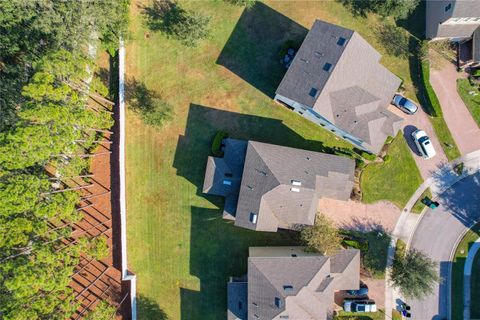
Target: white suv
{"points": [[424, 144], [359, 306]]}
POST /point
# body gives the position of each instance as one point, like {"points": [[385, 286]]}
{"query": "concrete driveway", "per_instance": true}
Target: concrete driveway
{"points": [[464, 129], [420, 121], [437, 234]]}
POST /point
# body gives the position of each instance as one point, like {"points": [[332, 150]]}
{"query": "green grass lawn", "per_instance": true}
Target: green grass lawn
{"points": [[179, 246], [418, 206], [457, 275], [396, 180], [472, 102], [475, 289], [379, 315]]}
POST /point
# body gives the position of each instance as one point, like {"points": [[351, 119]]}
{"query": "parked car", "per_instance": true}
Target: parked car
{"points": [[359, 306], [363, 291], [423, 143], [404, 104]]}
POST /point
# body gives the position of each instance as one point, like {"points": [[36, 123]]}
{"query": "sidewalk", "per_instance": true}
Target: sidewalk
{"points": [[439, 182]]}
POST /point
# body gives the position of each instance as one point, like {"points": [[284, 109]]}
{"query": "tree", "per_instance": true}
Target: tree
{"points": [[414, 274], [186, 26], [322, 237], [398, 9], [103, 311], [394, 39]]}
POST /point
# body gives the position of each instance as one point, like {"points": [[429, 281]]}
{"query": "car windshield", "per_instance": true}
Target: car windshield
{"points": [[423, 139]]}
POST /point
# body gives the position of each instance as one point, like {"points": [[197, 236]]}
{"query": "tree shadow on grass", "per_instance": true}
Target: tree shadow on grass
{"points": [[149, 309], [147, 103], [219, 250], [253, 51]]}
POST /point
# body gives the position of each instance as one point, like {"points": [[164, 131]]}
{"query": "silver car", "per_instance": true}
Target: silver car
{"points": [[404, 104], [359, 306]]}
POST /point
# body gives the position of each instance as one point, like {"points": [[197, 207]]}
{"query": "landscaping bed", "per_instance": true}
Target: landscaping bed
{"points": [[471, 101]]}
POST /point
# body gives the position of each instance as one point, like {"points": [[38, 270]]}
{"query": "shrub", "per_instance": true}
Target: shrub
{"points": [[476, 73], [360, 163], [369, 156], [387, 158], [217, 143], [355, 244], [433, 105], [458, 168]]}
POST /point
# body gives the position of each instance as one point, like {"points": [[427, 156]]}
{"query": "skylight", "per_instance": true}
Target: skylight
{"points": [[341, 41], [296, 183], [294, 189], [313, 92], [288, 288], [278, 302], [327, 66], [253, 217], [227, 182]]}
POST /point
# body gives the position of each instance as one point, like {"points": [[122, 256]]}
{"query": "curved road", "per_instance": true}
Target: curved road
{"points": [[437, 234]]}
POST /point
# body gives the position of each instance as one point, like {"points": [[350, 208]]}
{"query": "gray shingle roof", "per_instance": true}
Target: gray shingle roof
{"points": [[290, 281], [268, 177], [306, 71], [229, 168], [354, 94], [436, 14], [262, 177]]}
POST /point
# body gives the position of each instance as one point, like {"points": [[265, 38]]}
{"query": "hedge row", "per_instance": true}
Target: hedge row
{"points": [[433, 105]]}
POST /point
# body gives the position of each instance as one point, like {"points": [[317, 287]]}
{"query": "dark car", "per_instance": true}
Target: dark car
{"points": [[363, 291], [404, 104]]}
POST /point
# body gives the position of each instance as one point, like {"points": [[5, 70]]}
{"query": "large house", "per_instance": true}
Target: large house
{"points": [[290, 283], [336, 80], [267, 187], [458, 21]]}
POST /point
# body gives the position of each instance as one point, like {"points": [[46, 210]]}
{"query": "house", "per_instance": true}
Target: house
{"points": [[267, 187], [336, 81], [290, 283], [458, 21]]}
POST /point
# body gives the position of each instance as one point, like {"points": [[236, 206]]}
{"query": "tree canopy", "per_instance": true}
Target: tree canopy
{"points": [[414, 274], [46, 67], [323, 236]]}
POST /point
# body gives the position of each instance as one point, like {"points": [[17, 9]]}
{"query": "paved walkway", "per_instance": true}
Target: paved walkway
{"points": [[464, 130], [421, 121], [438, 183], [467, 274]]}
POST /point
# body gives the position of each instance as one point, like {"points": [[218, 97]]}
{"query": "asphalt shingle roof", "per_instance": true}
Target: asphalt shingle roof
{"points": [[291, 281], [354, 94]]}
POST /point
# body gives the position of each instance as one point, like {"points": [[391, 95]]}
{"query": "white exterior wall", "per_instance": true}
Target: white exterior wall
{"points": [[310, 114]]}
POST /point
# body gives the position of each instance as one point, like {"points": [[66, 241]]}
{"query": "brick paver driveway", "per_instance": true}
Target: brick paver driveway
{"points": [[420, 121], [360, 216], [464, 130]]}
